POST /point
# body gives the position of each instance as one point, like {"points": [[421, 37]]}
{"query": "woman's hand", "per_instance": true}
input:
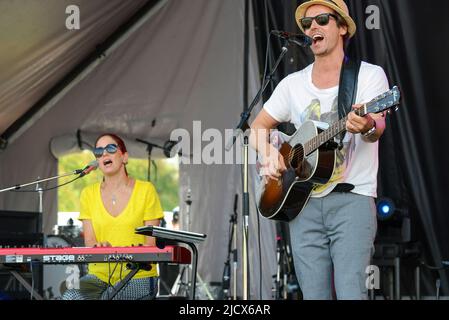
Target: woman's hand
{"points": [[102, 244]]}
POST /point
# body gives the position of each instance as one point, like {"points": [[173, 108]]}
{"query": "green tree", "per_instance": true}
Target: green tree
{"points": [[165, 179]]}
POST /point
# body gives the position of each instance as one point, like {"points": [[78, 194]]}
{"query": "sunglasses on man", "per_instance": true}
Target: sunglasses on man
{"points": [[321, 19], [110, 148]]}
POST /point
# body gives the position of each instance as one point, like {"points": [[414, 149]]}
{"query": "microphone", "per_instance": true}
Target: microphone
{"points": [[87, 169], [168, 146], [296, 38]]}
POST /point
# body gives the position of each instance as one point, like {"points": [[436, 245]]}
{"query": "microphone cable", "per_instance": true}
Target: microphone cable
{"points": [[444, 266], [47, 189]]}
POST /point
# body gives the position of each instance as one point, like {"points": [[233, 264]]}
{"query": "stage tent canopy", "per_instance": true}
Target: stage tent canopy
{"points": [[140, 69]]}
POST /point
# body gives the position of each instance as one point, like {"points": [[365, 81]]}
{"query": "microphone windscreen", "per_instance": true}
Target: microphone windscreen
{"points": [[93, 163]]}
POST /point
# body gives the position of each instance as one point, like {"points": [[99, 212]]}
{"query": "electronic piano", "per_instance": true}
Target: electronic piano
{"points": [[74, 255]]}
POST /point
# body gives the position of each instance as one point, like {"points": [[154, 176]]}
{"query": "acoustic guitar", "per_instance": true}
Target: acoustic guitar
{"points": [[310, 157]]}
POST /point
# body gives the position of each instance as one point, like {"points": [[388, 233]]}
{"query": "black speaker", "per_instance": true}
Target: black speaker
{"points": [[20, 229], [20, 222]]}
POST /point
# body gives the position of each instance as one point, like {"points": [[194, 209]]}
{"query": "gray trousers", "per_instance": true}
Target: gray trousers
{"points": [[332, 239]]}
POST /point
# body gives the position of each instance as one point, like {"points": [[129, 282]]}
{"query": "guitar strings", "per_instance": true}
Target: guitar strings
{"points": [[299, 152]]}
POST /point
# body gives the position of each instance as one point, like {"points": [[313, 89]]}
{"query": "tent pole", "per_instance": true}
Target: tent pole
{"points": [[245, 198]]}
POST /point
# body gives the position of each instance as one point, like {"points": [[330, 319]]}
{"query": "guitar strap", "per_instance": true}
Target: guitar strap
{"points": [[347, 92]]}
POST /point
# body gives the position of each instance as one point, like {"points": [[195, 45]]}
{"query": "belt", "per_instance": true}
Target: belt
{"points": [[343, 187]]}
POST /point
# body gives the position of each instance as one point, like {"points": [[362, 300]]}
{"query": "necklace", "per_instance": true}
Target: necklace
{"points": [[114, 197]]}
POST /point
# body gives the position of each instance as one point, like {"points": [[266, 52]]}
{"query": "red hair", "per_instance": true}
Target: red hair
{"points": [[119, 141], [116, 138]]}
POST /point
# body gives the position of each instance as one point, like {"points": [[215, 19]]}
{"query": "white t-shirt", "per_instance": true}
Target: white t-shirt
{"points": [[296, 100]]}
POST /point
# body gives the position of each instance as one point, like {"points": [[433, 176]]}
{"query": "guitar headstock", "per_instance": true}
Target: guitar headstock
{"points": [[384, 102]]}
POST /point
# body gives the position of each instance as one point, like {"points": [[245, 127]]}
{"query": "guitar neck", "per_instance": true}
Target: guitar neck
{"points": [[338, 127]]}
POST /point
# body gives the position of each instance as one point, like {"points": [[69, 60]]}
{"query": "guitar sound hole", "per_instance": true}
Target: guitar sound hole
{"points": [[296, 156]]}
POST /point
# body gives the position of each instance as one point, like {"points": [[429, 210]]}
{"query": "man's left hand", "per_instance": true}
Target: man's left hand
{"points": [[356, 124]]}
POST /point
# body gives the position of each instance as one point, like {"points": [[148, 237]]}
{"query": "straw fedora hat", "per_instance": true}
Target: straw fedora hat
{"points": [[338, 5]]}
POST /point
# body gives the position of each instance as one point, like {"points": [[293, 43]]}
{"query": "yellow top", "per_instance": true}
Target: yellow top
{"points": [[119, 231]]}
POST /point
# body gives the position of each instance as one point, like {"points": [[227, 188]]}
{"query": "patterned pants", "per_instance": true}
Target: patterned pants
{"points": [[92, 288]]}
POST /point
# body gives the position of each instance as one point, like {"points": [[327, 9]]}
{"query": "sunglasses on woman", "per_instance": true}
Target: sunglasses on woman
{"points": [[321, 19], [110, 148]]}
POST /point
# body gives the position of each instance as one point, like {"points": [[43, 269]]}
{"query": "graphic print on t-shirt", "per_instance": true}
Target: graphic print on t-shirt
{"points": [[313, 112]]}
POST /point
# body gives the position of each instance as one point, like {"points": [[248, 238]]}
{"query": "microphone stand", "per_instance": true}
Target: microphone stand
{"points": [[40, 190], [227, 268], [243, 126], [150, 146], [37, 182], [40, 210], [235, 261]]}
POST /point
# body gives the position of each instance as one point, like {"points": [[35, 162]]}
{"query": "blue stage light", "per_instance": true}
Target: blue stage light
{"points": [[385, 208]]}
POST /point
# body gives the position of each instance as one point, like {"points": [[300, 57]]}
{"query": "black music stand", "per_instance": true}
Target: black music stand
{"points": [[166, 236]]}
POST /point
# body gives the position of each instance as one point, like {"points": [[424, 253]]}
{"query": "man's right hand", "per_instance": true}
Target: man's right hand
{"points": [[273, 165]]}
